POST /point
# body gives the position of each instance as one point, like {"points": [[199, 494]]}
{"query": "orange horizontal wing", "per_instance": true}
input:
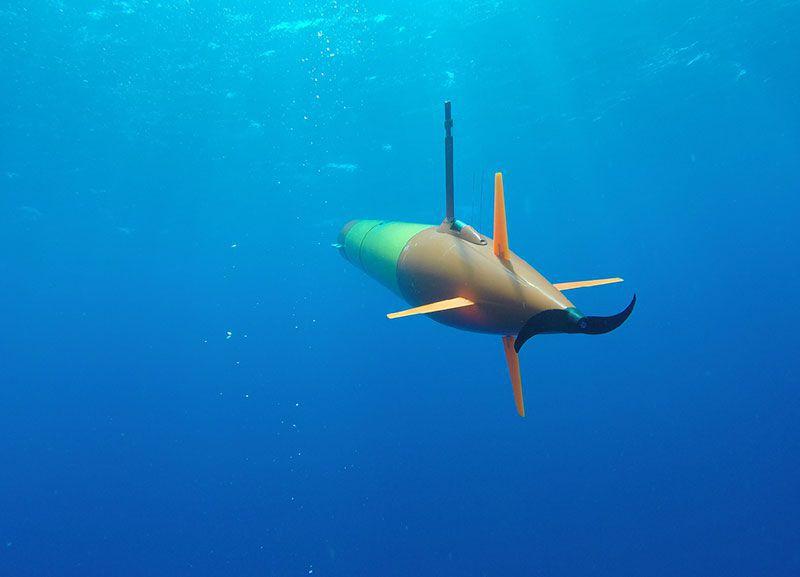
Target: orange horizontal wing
{"points": [[565, 286], [436, 307]]}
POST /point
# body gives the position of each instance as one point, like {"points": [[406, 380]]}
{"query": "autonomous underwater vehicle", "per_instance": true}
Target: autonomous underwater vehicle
{"points": [[466, 280]]}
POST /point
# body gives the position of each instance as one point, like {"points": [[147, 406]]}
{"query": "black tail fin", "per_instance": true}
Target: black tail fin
{"points": [[570, 321]]}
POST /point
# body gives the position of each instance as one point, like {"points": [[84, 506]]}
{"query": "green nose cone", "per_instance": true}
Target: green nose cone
{"points": [[375, 247]]}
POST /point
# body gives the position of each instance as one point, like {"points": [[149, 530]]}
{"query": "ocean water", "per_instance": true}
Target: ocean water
{"points": [[194, 382]]}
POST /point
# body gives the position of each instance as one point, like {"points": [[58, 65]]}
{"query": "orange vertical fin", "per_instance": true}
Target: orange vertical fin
{"points": [[500, 231], [512, 360]]}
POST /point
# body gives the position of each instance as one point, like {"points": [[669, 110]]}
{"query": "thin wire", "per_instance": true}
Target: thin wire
{"points": [[480, 223], [472, 199]]}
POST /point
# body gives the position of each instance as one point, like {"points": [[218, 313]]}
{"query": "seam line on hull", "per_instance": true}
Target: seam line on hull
{"points": [[400, 260], [361, 244]]}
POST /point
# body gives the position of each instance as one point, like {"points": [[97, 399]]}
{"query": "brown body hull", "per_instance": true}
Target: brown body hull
{"points": [[435, 265]]}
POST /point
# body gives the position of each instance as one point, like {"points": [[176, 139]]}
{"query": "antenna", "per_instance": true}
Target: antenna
{"points": [[448, 163], [450, 225]]}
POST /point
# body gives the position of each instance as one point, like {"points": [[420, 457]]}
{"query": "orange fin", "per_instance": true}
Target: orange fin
{"points": [[565, 286], [512, 360], [500, 231], [446, 305]]}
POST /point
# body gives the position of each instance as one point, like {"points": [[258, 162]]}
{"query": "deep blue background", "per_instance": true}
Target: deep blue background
{"points": [[173, 170]]}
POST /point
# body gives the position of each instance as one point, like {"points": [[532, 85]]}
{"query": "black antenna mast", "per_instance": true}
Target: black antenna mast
{"points": [[450, 225], [448, 163]]}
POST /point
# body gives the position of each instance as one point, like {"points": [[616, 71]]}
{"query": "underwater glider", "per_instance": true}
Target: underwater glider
{"points": [[461, 278]]}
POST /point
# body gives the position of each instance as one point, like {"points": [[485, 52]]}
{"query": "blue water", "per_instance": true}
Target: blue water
{"points": [[193, 382]]}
